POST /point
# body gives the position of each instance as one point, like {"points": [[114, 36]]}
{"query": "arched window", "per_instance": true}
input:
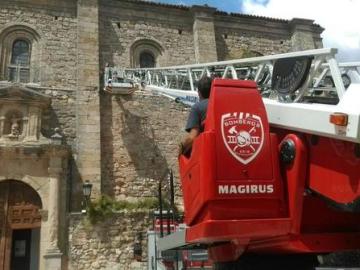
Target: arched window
{"points": [[19, 67], [147, 60], [20, 52], [145, 53]]}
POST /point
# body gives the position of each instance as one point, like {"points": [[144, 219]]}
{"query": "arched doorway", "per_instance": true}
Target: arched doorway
{"points": [[20, 223]]}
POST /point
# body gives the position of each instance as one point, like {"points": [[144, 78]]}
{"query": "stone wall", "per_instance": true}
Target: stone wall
{"points": [[87, 98], [61, 114], [108, 245], [55, 24], [204, 34], [122, 23], [305, 34], [56, 69], [238, 35], [237, 44], [139, 139]]}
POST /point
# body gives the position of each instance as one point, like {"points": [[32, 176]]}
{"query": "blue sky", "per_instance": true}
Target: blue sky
{"points": [[224, 5], [340, 18]]}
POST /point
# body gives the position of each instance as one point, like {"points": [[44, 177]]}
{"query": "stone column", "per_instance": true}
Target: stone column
{"points": [[25, 122], [88, 102], [2, 123], [302, 34], [34, 124], [53, 256], [204, 34]]}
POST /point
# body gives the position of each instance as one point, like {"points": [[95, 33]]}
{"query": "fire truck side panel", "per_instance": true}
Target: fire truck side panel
{"points": [[241, 186], [334, 170]]}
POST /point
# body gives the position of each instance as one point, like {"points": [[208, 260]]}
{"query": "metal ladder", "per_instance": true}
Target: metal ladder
{"points": [[315, 84]]}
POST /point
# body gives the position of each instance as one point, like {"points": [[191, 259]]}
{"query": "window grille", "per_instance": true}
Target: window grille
{"points": [[19, 67]]}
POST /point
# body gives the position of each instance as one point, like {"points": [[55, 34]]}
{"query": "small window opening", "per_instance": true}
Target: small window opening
{"points": [[118, 25], [56, 17], [225, 36], [147, 60], [180, 31]]}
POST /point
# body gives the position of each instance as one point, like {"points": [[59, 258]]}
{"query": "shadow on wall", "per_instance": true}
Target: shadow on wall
{"points": [[222, 48], [107, 146], [109, 41], [145, 159], [142, 146], [50, 122]]}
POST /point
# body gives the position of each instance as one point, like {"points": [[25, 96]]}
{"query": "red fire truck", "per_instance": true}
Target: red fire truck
{"points": [[273, 182]]}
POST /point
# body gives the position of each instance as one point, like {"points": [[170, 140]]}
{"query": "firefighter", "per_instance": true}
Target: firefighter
{"points": [[195, 122]]}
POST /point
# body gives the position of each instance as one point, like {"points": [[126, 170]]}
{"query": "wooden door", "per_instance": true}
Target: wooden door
{"points": [[5, 232], [19, 209]]}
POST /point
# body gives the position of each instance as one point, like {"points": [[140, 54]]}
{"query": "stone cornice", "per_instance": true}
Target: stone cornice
{"points": [[30, 150], [203, 11], [17, 92]]}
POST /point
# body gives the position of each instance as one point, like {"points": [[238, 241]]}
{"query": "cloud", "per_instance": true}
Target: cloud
{"points": [[340, 18]]}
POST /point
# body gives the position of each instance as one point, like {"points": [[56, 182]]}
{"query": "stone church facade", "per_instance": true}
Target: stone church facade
{"points": [[58, 129]]}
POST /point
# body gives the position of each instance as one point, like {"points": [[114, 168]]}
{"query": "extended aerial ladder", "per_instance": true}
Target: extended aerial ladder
{"points": [[308, 108], [315, 80]]}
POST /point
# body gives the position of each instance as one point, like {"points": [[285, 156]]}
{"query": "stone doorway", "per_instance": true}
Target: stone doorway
{"points": [[20, 222]]}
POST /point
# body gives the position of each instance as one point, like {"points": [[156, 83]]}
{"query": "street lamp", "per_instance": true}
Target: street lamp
{"points": [[87, 187]]}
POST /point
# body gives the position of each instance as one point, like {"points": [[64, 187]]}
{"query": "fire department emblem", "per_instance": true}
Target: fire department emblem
{"points": [[243, 135]]}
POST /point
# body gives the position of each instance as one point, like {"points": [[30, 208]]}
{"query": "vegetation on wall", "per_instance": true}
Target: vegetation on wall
{"points": [[248, 53], [105, 207]]}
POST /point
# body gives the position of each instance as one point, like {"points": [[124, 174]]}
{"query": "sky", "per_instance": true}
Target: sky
{"points": [[340, 18]]}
